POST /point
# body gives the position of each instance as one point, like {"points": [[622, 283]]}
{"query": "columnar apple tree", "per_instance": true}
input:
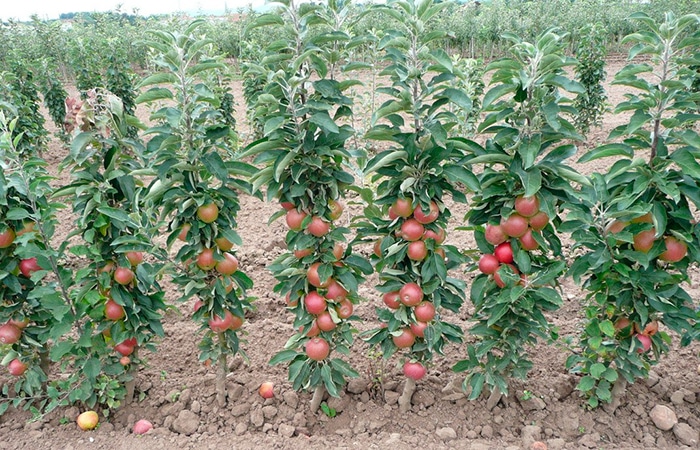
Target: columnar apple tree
{"points": [[408, 218], [302, 155], [196, 188], [637, 223], [117, 300], [32, 312], [516, 214]]}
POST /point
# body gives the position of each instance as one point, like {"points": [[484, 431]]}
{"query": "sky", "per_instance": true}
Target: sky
{"points": [[50, 9]]}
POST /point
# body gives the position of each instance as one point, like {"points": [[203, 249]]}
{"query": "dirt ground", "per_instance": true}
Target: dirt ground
{"points": [[179, 397]]}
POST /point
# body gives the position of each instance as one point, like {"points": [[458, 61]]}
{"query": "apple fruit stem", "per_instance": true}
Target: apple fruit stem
{"points": [[130, 385], [221, 375], [405, 399], [317, 397]]}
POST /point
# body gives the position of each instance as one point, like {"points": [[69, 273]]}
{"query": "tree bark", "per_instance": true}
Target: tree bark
{"points": [[317, 397], [405, 399], [130, 385], [494, 398], [221, 380], [618, 391]]}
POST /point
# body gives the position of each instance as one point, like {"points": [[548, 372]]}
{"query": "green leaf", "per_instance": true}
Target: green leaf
{"points": [[328, 382], [115, 214], [283, 357], [215, 165], [60, 349], [496, 93], [603, 392], [459, 174], [261, 146], [272, 124], [324, 121], [80, 142], [491, 159], [154, 94], [532, 181], [570, 85], [571, 175], [218, 131], [459, 98], [477, 384], [158, 78], [593, 402], [597, 370], [586, 384], [687, 162], [559, 154], [610, 374], [496, 314], [17, 214], [55, 304], [389, 108], [638, 120], [344, 368], [92, 368], [607, 328], [266, 20], [383, 159], [604, 151]]}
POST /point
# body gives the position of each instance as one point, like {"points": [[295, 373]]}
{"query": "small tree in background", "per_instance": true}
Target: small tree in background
{"points": [[590, 72]]}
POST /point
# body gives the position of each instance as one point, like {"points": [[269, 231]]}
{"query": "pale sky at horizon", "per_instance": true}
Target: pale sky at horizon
{"points": [[51, 9]]}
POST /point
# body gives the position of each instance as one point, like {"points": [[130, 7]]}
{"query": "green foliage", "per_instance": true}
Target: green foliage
{"points": [[327, 410], [469, 75], [626, 280], [476, 30], [119, 80], [20, 100], [590, 72]]}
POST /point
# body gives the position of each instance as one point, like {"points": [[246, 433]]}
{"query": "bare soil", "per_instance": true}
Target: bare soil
{"points": [[177, 392]]}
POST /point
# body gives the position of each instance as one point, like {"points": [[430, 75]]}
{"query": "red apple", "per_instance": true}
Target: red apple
{"points": [[17, 368], [143, 426], [267, 390], [28, 266]]}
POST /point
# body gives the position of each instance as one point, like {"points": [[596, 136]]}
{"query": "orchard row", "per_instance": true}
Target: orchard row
{"points": [[633, 227]]}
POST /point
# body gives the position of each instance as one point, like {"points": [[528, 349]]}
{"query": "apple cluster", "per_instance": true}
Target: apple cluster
{"points": [[218, 260], [524, 225], [626, 328], [643, 241], [113, 311], [414, 228], [325, 299], [11, 331]]}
